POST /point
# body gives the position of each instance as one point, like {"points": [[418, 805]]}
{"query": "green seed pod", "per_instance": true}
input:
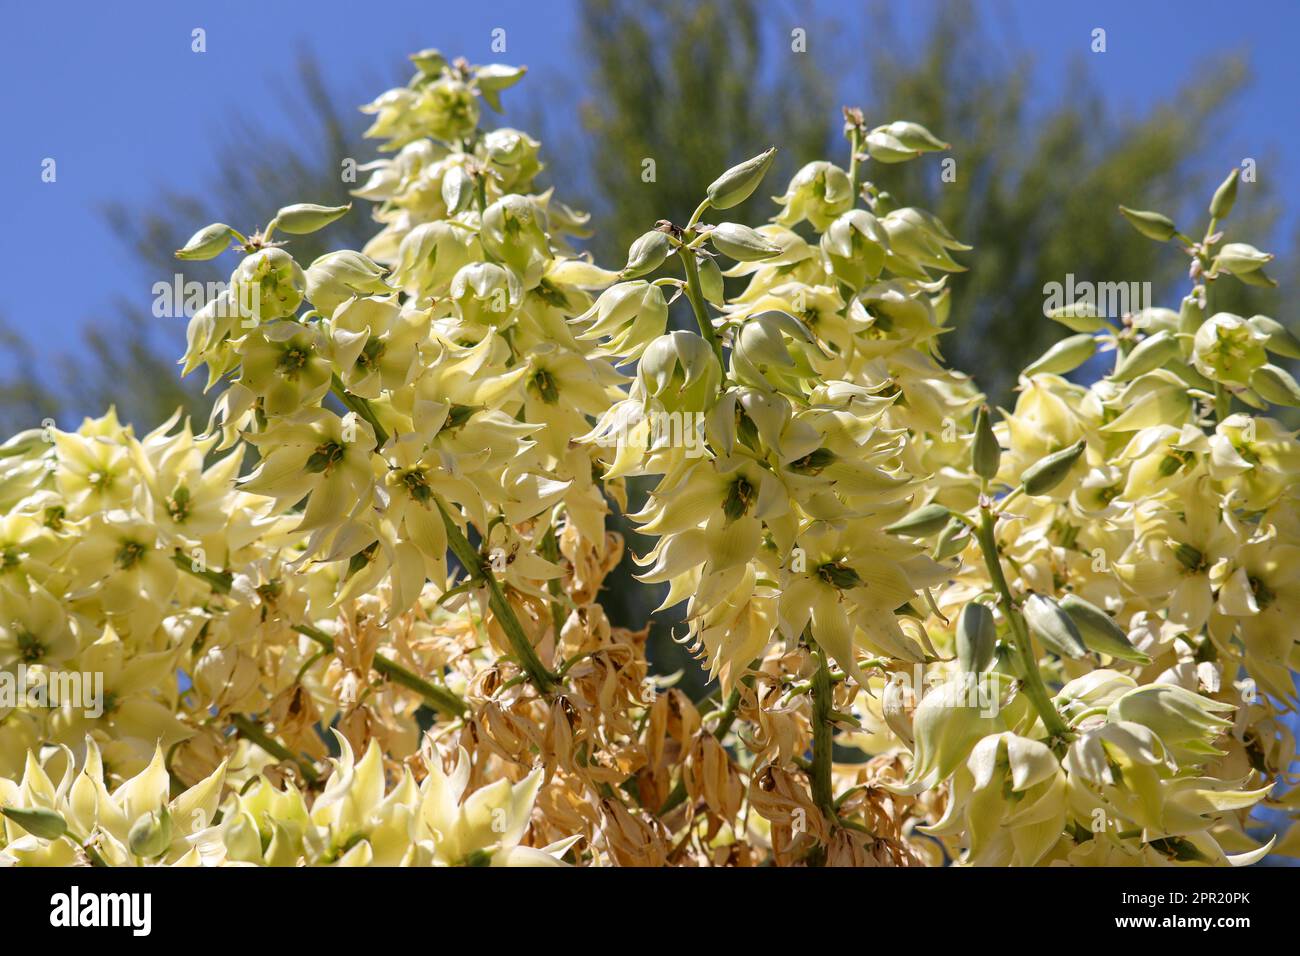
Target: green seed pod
{"points": [[741, 243], [985, 452], [977, 636], [151, 835], [737, 184], [711, 280], [922, 522], [1150, 224], [646, 254], [1099, 631], [1054, 627], [305, 217], [1046, 473], [1276, 385], [952, 540], [1278, 339], [208, 243], [1065, 356], [1151, 353], [1224, 196], [38, 821]]}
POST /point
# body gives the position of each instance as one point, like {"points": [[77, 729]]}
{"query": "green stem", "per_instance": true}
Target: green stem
{"points": [[699, 211], [362, 408], [855, 144], [251, 731], [822, 705], [551, 552], [695, 295], [1034, 686], [474, 566], [439, 698]]}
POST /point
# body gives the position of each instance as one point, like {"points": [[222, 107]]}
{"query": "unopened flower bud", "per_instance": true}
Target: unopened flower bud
{"points": [[38, 821], [952, 540], [1278, 339], [1151, 224], [1275, 385], [646, 254], [207, 243], [1053, 627], [741, 243], [1046, 473], [922, 522], [1241, 258], [711, 280], [737, 184], [1099, 631], [303, 218], [986, 453], [1224, 196], [977, 636], [901, 141], [1065, 356], [1151, 353], [151, 835], [1191, 313]]}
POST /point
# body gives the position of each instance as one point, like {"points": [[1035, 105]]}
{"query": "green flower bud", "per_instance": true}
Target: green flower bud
{"points": [[1046, 473], [952, 540], [1054, 627], [1278, 339], [1184, 721], [1151, 353], [1240, 258], [303, 218], [711, 280], [922, 522], [1224, 196], [1065, 356], [1276, 385], [38, 821], [1190, 314], [901, 141], [737, 184], [977, 637], [1099, 631], [646, 254], [208, 243], [1007, 661], [741, 243], [1077, 316], [986, 453], [1150, 224], [151, 835]]}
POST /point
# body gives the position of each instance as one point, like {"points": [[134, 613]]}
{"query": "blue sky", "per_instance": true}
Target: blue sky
{"points": [[115, 95]]}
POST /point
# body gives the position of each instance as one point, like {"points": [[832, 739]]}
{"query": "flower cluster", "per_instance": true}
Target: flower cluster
{"points": [[1061, 638]]}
